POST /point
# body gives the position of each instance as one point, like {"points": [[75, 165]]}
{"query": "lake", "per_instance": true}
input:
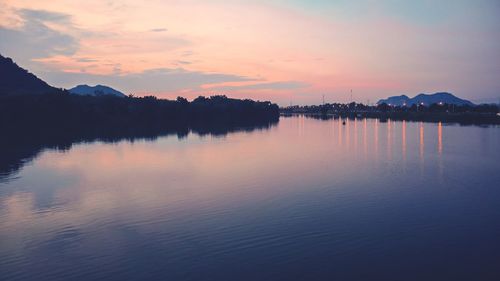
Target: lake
{"points": [[305, 199]]}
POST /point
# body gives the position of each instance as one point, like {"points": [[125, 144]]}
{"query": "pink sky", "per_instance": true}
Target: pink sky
{"points": [[283, 51]]}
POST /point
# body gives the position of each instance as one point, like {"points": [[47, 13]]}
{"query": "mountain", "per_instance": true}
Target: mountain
{"points": [[426, 99], [15, 80], [98, 90], [396, 100], [439, 97]]}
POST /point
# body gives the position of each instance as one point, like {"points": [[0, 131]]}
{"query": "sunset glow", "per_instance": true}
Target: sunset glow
{"points": [[283, 51]]}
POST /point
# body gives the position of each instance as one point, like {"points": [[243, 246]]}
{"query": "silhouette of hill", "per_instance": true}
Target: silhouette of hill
{"points": [[16, 80], [426, 99], [98, 90]]}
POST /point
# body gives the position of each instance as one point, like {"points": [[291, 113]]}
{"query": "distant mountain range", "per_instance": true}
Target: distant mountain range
{"points": [[426, 99], [98, 90], [15, 80]]}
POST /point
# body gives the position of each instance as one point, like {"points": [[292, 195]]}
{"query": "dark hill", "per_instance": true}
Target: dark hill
{"points": [[426, 99], [98, 90], [15, 80]]}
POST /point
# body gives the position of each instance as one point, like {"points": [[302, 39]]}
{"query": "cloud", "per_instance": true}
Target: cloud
{"points": [[86, 60], [281, 85], [158, 30], [182, 62], [159, 80], [187, 54], [35, 39], [44, 16]]}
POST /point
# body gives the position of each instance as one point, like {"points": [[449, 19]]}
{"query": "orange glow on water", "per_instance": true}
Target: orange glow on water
{"points": [[340, 131], [376, 137], [389, 139], [347, 133], [440, 138], [364, 136], [355, 133], [421, 138], [403, 138]]}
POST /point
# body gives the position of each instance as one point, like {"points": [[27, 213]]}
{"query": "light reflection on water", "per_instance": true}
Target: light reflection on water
{"points": [[307, 199]]}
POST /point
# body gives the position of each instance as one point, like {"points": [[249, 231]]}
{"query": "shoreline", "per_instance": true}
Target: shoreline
{"points": [[467, 118]]}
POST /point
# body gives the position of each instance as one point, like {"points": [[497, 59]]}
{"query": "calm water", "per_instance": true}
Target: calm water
{"points": [[304, 200]]}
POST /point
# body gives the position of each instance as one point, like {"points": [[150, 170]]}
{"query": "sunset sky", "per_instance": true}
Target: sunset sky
{"points": [[283, 51]]}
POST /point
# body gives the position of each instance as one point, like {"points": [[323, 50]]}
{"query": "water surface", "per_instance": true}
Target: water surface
{"points": [[304, 200]]}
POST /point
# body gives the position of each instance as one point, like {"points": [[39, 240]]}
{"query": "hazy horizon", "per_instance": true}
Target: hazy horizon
{"points": [[282, 51]]}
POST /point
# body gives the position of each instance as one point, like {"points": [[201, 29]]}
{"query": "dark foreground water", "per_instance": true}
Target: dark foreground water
{"points": [[304, 200]]}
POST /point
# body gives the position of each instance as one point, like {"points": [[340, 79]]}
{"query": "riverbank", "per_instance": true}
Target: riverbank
{"points": [[465, 118]]}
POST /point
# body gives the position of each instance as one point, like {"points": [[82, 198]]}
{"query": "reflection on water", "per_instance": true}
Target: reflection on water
{"points": [[20, 148], [303, 200], [421, 127], [386, 134], [440, 138], [403, 139], [376, 137], [365, 137]]}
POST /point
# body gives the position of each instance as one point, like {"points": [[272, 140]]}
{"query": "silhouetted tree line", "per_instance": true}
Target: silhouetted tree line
{"points": [[384, 107], [438, 112], [66, 111], [326, 108]]}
